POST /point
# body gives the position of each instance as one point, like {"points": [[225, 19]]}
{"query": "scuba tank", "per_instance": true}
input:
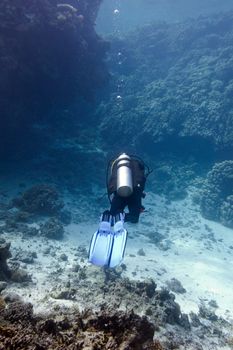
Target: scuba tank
{"points": [[124, 175]]}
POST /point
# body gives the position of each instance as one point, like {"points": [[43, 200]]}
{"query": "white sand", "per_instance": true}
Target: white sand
{"points": [[203, 267]]}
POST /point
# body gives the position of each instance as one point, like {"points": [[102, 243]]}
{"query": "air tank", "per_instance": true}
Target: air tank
{"points": [[124, 176]]}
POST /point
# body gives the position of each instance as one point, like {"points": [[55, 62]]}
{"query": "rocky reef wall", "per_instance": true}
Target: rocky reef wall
{"points": [[50, 56], [217, 194], [176, 88]]}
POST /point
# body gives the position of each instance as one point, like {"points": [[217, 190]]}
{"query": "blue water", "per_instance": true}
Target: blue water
{"points": [[138, 13], [146, 77]]}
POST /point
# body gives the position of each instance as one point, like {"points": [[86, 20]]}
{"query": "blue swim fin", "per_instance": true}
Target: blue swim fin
{"points": [[108, 246], [101, 244], [119, 243]]}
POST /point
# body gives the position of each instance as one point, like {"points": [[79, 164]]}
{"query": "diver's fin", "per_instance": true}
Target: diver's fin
{"points": [[119, 242], [101, 243]]}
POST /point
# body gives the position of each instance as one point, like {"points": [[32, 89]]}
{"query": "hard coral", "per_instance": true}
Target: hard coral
{"points": [[40, 199], [20, 329], [217, 197], [183, 102], [226, 212], [52, 229]]}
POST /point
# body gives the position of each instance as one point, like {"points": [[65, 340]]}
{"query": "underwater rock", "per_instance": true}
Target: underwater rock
{"points": [[52, 229], [141, 252], [63, 257], [155, 237], [165, 244], [145, 288], [148, 287], [75, 268], [184, 322], [19, 275], [25, 257], [195, 322], [169, 311], [207, 312], [212, 303], [217, 196], [40, 199], [175, 286], [5, 254]]}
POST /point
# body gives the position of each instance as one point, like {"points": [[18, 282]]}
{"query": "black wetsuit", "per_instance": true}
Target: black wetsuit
{"points": [[134, 201]]}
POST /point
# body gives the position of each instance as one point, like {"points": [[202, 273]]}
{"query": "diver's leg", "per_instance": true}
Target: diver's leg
{"points": [[134, 205], [118, 205]]}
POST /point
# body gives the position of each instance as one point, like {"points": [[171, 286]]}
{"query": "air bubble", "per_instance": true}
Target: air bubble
{"points": [[116, 12]]}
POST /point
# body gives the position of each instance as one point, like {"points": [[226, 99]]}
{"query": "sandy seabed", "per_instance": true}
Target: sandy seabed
{"points": [[172, 241]]}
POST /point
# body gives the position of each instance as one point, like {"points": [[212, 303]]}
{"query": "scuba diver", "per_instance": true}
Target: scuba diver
{"points": [[125, 179]]}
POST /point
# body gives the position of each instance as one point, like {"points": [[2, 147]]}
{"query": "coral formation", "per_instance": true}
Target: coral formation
{"points": [[217, 196], [183, 103], [39, 199], [140, 296], [34, 202], [106, 329], [226, 212], [52, 229], [13, 273]]}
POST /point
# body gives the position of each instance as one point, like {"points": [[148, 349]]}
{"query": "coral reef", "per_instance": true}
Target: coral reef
{"points": [[217, 195], [95, 289], [74, 330], [141, 296], [34, 205], [39, 199], [172, 175], [52, 229], [183, 103], [12, 272]]}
